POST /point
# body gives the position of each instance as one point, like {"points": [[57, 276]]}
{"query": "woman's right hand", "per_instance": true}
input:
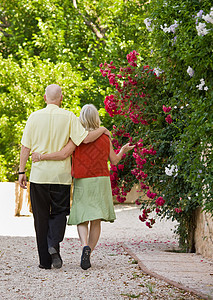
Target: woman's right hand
{"points": [[127, 148], [36, 156]]}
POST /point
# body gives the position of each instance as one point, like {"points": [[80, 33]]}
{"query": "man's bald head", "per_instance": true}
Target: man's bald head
{"points": [[53, 94]]}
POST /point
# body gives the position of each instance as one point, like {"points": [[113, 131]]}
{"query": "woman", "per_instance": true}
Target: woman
{"points": [[92, 195]]}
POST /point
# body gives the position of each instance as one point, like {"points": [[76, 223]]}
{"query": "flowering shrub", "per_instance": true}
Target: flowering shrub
{"points": [[138, 100], [185, 57], [165, 112]]}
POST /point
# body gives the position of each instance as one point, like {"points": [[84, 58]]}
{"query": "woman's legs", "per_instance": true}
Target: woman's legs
{"points": [[94, 233], [88, 243], [83, 233]]}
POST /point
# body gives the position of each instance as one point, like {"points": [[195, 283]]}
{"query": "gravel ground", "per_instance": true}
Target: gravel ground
{"points": [[113, 275]]}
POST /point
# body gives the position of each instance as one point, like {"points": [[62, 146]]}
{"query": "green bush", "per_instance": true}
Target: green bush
{"points": [[22, 88]]}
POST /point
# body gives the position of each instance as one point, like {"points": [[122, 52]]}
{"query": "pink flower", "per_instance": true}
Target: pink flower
{"points": [[169, 119], [145, 151], [121, 167], [137, 202], [120, 199], [115, 191], [151, 195], [178, 210], [143, 186], [157, 210], [132, 57], [152, 221], [152, 152], [113, 168], [166, 109], [110, 105], [142, 95], [104, 74], [141, 219], [147, 210], [139, 144], [148, 225], [160, 201]]}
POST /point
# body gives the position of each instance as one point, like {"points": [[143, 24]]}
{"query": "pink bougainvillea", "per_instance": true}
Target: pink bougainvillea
{"points": [[167, 109], [178, 210], [169, 119], [132, 58], [160, 201], [151, 195], [132, 100]]}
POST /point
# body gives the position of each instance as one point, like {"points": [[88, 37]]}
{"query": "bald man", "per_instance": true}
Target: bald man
{"points": [[49, 130]]}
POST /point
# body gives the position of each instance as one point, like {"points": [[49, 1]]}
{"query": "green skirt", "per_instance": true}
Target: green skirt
{"points": [[92, 200]]}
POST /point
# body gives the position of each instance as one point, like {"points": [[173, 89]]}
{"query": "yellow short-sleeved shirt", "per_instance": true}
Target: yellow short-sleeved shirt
{"points": [[48, 130]]}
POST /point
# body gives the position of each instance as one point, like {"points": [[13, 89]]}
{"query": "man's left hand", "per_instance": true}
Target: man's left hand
{"points": [[107, 132]]}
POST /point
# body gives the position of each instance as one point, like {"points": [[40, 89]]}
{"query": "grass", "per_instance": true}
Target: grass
{"points": [[134, 262], [150, 288], [131, 296]]}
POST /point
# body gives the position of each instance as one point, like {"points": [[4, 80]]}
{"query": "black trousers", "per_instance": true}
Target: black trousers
{"points": [[50, 206]]}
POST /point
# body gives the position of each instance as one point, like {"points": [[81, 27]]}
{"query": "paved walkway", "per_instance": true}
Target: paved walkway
{"points": [[153, 250]]}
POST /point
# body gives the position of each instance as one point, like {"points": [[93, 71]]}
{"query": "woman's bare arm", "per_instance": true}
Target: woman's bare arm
{"points": [[60, 155], [115, 158]]}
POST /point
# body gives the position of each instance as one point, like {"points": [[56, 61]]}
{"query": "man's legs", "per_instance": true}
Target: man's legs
{"points": [[60, 208], [50, 205], [40, 201]]}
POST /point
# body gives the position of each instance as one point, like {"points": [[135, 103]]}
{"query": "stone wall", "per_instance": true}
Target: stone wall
{"points": [[132, 196], [204, 225], [204, 234]]}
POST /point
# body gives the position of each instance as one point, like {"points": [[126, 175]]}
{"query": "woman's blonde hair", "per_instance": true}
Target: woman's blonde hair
{"points": [[89, 117]]}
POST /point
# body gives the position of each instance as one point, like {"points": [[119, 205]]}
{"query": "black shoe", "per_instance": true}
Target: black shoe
{"points": [[56, 258], [85, 258], [43, 267]]}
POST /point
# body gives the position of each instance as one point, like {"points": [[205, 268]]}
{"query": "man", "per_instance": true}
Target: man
{"points": [[46, 131]]}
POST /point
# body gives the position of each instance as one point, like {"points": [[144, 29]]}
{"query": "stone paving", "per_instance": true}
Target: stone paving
{"points": [[155, 250]]}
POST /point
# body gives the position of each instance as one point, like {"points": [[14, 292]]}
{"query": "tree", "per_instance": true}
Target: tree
{"points": [[22, 88], [47, 37], [82, 33]]}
